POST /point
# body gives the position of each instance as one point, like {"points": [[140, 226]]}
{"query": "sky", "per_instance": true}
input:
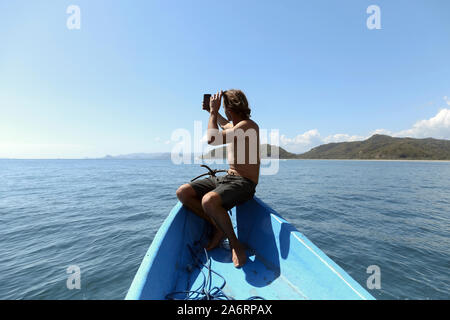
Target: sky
{"points": [[136, 71]]}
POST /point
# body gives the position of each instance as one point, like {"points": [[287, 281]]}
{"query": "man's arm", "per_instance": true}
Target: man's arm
{"points": [[223, 123], [215, 137]]}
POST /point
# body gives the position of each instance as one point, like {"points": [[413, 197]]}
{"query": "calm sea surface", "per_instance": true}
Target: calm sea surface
{"points": [[102, 215]]}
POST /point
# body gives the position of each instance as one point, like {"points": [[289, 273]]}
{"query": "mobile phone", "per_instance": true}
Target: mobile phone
{"points": [[206, 99]]}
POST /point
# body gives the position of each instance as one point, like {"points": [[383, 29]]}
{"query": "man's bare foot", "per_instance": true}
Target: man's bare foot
{"points": [[215, 240], [239, 255]]}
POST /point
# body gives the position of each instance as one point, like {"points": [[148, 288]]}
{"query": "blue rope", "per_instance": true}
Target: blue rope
{"points": [[205, 291]]}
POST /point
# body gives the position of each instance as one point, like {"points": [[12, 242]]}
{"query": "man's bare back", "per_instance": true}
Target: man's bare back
{"points": [[247, 164]]}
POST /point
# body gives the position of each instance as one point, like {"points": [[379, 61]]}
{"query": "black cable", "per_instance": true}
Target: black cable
{"points": [[205, 291]]}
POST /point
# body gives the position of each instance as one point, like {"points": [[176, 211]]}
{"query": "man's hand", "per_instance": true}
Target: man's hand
{"points": [[214, 102]]}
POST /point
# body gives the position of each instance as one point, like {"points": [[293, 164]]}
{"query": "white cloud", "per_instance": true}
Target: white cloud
{"points": [[447, 100], [342, 137], [305, 139], [436, 127], [381, 131], [302, 142], [312, 138]]}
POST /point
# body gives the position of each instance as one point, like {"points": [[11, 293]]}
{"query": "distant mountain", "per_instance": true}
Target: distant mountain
{"points": [[377, 147], [142, 156], [382, 147], [221, 152]]}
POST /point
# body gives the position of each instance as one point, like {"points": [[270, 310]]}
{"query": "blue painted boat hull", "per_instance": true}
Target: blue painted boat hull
{"points": [[282, 263]]}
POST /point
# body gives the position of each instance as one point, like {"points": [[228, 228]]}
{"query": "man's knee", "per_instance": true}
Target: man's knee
{"points": [[185, 192], [210, 201]]}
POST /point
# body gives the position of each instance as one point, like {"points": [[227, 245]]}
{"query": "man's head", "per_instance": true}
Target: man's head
{"points": [[235, 103]]}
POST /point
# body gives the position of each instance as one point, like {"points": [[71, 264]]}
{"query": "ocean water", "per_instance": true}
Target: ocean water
{"points": [[101, 215]]}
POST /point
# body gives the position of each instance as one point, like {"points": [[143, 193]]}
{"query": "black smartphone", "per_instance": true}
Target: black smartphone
{"points": [[206, 99]]}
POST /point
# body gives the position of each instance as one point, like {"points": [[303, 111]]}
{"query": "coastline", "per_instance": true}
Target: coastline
{"points": [[397, 160], [379, 160]]}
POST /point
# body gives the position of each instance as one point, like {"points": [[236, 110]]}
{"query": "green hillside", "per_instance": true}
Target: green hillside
{"points": [[383, 147], [377, 147]]}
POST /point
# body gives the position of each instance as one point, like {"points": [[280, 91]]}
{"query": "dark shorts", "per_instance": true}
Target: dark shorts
{"points": [[233, 190]]}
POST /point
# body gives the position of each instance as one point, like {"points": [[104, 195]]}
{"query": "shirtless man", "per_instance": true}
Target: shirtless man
{"points": [[212, 197]]}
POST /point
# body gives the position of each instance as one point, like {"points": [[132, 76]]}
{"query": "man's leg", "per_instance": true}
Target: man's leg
{"points": [[212, 206], [187, 196]]}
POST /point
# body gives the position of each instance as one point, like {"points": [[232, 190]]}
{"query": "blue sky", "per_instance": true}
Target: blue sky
{"points": [[136, 71]]}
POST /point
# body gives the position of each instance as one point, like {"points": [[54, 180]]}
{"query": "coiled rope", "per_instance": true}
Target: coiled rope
{"points": [[205, 291]]}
